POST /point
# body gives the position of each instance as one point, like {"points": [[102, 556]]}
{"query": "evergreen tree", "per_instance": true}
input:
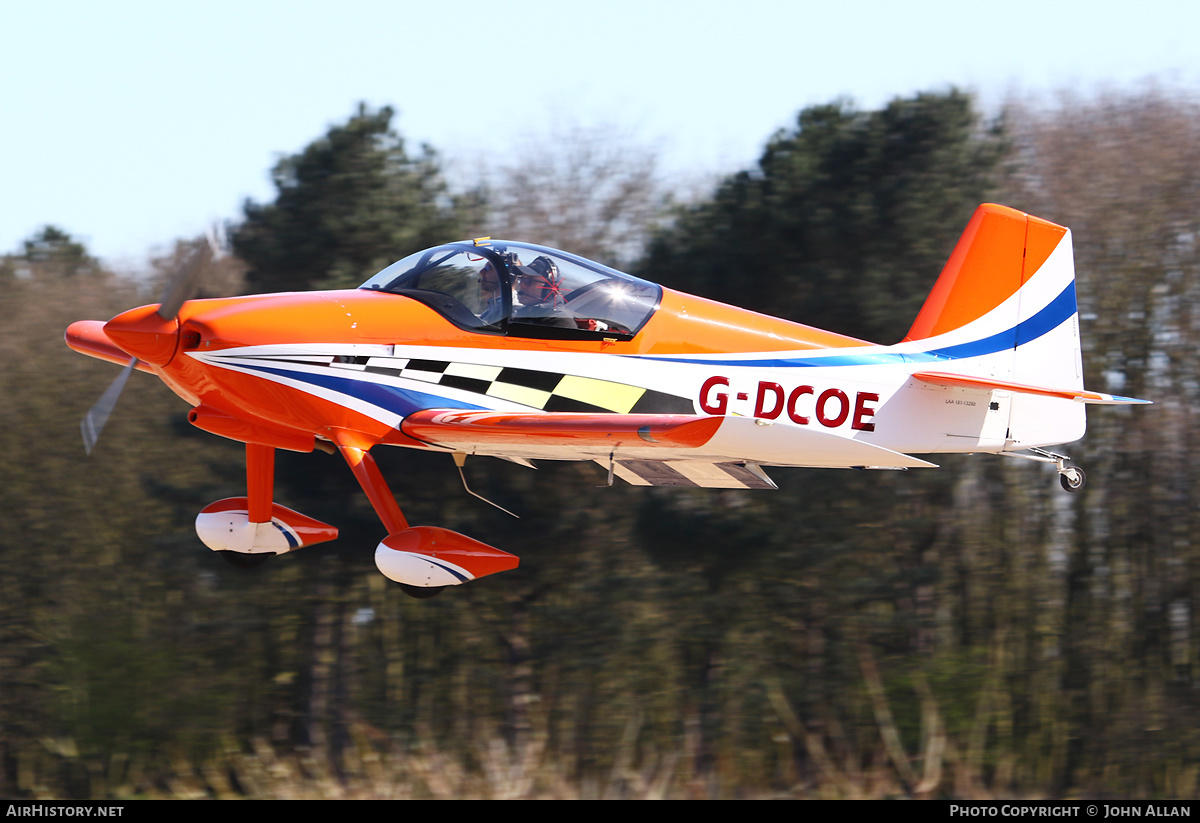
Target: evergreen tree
{"points": [[53, 252], [349, 204], [847, 220]]}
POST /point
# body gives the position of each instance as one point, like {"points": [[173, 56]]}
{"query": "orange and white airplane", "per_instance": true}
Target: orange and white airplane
{"points": [[521, 352]]}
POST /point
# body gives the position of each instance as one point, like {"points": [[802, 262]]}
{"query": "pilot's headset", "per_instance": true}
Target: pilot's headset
{"points": [[511, 262]]}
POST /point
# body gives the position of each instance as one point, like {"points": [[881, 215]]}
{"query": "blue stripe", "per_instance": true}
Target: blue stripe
{"points": [[287, 535], [873, 359], [1057, 312], [402, 402], [1047, 320], [444, 567]]}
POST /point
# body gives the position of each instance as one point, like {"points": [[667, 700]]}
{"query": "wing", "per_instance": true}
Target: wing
{"points": [[463, 430], [653, 449]]}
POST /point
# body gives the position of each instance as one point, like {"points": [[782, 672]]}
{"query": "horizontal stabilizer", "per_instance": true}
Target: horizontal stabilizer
{"points": [[987, 384]]}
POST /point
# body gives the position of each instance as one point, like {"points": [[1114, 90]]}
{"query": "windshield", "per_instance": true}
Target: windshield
{"points": [[523, 290]]}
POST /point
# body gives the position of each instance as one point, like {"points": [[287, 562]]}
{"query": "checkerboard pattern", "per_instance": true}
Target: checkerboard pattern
{"points": [[548, 391]]}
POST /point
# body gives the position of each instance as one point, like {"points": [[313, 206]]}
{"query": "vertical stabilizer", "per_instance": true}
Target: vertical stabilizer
{"points": [[1004, 308]]}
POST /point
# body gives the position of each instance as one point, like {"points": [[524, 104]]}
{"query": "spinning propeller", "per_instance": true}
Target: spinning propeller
{"points": [[149, 334]]}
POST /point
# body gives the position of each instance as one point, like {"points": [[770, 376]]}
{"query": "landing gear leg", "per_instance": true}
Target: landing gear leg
{"points": [[260, 491], [384, 503], [1070, 478], [376, 488], [422, 559]]}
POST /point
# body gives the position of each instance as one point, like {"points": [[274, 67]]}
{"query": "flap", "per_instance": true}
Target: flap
{"points": [[691, 473]]}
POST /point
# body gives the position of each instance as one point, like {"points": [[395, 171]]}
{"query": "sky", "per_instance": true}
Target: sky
{"points": [[130, 124]]}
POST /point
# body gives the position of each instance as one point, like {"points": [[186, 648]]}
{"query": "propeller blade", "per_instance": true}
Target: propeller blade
{"points": [[184, 284], [93, 422], [181, 287], [217, 241]]}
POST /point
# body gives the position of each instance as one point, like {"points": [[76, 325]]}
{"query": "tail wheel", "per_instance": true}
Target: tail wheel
{"points": [[1072, 479]]}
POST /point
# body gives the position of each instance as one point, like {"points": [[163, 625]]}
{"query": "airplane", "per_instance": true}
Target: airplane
{"points": [[521, 352]]}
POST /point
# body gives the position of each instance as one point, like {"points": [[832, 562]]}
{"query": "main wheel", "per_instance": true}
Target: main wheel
{"points": [[245, 560], [1073, 479], [420, 592]]}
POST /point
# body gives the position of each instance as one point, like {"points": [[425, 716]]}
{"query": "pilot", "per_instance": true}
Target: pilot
{"points": [[489, 293]]}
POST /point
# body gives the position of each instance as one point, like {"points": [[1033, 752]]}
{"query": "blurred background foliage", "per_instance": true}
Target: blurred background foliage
{"points": [[967, 632]]}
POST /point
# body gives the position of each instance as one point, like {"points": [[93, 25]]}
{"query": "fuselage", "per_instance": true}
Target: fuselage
{"points": [[300, 365]]}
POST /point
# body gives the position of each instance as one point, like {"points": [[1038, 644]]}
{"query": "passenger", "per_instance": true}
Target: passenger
{"points": [[539, 295]]}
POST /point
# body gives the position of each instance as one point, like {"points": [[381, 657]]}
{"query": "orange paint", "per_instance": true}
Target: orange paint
{"points": [[605, 430], [683, 324], [375, 487], [988, 383], [260, 482], [145, 335], [310, 531], [686, 324], [477, 557], [88, 337], [1000, 250], [247, 431], [1041, 240]]}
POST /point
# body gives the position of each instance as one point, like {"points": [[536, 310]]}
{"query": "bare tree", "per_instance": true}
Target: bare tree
{"points": [[1123, 171], [591, 190]]}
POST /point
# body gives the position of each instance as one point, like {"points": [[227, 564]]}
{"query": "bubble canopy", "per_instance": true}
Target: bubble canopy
{"points": [[523, 290]]}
